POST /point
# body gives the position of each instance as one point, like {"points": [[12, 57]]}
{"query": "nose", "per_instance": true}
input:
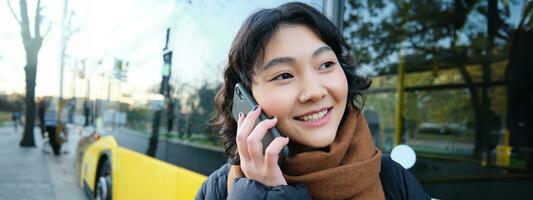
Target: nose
{"points": [[313, 90]]}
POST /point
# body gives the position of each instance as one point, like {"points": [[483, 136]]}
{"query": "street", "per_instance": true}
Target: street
{"points": [[34, 173]]}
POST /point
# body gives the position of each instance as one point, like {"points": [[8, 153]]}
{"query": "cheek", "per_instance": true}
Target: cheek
{"points": [[275, 102], [279, 104], [338, 86]]}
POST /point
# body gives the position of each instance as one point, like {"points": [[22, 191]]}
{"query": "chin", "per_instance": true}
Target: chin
{"points": [[321, 142]]}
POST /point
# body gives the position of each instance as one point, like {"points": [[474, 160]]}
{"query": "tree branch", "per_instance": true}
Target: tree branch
{"points": [[25, 22], [47, 30], [37, 25], [525, 15], [13, 12]]}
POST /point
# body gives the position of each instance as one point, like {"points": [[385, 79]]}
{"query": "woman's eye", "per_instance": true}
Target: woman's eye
{"points": [[283, 76], [327, 65]]}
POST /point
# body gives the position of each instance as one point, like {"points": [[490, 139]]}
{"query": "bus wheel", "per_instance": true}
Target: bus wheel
{"points": [[104, 182]]}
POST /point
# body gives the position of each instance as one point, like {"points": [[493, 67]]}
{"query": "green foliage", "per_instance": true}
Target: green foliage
{"points": [[11, 103], [199, 109], [435, 38], [376, 31], [139, 119], [4, 117]]}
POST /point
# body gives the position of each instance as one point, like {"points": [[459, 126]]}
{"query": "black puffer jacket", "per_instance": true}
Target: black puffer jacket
{"points": [[397, 183]]}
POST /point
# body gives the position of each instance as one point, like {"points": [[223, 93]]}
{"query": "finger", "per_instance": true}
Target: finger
{"points": [[255, 146], [273, 150], [244, 131], [248, 123], [241, 140], [239, 121]]}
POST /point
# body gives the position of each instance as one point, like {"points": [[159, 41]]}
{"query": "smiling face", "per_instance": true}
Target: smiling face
{"points": [[300, 81]]}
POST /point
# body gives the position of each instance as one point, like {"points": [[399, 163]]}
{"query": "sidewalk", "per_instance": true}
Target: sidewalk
{"points": [[34, 173]]}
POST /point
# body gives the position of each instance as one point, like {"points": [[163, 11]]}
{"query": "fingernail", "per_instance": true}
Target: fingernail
{"points": [[255, 107]]}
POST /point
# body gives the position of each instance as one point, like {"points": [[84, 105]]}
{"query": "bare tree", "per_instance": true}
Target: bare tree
{"points": [[32, 45]]}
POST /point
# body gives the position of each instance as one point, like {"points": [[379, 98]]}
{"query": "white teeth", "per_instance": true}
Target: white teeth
{"points": [[315, 116]]}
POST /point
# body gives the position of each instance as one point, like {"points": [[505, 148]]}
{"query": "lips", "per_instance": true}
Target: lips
{"points": [[314, 114]]}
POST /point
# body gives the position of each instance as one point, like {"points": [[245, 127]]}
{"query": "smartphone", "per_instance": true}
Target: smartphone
{"points": [[243, 102]]}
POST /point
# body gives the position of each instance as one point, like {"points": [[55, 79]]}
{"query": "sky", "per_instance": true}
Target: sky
{"points": [[131, 30]]}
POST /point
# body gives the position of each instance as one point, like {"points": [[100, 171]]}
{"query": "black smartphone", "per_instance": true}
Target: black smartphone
{"points": [[243, 102]]}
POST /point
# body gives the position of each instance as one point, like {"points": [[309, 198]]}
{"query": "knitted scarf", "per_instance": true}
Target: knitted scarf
{"points": [[349, 170]]}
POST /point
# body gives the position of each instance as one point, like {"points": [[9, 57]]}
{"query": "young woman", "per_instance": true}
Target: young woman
{"points": [[297, 66]]}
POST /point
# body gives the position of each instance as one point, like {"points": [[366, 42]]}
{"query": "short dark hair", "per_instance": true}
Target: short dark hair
{"points": [[248, 48]]}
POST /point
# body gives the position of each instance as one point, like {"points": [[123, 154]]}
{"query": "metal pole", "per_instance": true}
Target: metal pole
{"points": [[399, 102], [334, 10], [401, 84], [63, 47], [165, 91], [74, 74]]}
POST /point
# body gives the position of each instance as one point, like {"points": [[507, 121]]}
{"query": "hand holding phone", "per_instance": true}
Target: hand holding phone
{"points": [[261, 150], [243, 102]]}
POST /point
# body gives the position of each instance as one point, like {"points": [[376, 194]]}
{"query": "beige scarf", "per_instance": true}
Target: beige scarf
{"points": [[349, 170]]}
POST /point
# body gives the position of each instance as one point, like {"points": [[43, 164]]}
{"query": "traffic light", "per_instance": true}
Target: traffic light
{"points": [[165, 87]]}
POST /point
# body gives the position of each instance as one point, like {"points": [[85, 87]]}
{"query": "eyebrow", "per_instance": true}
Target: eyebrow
{"points": [[283, 60]]}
